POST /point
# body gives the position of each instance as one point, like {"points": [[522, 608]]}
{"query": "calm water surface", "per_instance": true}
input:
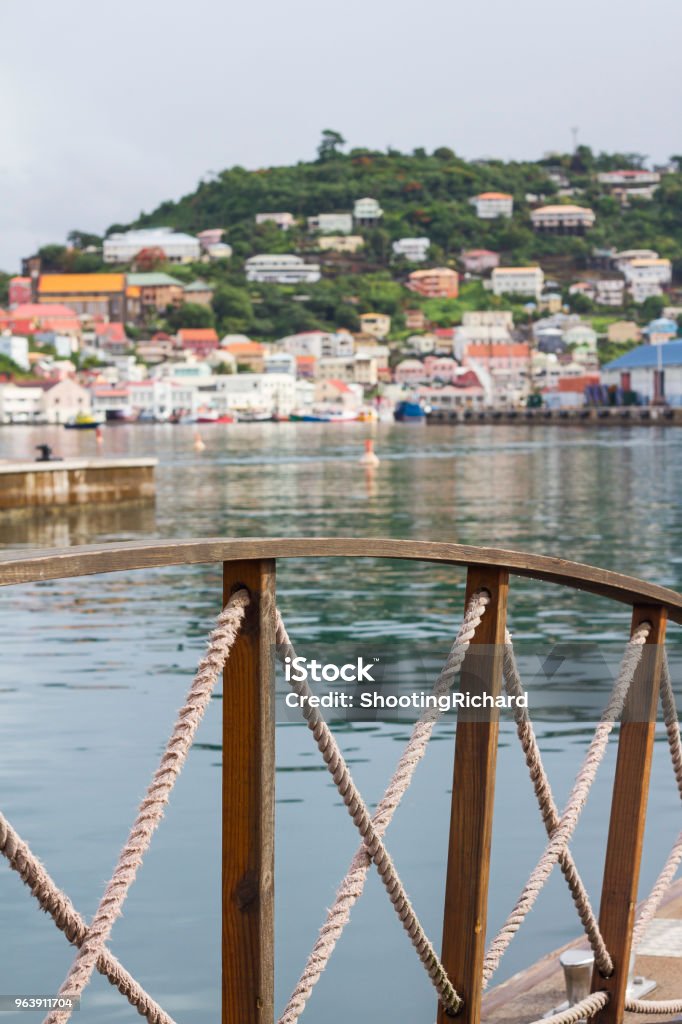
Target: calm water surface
{"points": [[93, 671]]}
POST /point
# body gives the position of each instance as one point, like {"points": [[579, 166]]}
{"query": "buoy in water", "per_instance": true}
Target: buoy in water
{"points": [[370, 458], [199, 445]]}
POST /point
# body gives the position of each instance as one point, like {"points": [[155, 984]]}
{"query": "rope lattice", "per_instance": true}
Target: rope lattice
{"points": [[352, 885], [560, 835], [91, 940]]}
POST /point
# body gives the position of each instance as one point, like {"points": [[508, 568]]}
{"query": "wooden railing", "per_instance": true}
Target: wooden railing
{"points": [[248, 749]]}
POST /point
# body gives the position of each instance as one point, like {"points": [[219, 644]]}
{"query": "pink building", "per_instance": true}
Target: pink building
{"points": [[478, 261], [20, 291]]}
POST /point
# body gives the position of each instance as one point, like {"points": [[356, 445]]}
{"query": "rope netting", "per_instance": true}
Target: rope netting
{"points": [[91, 939]]}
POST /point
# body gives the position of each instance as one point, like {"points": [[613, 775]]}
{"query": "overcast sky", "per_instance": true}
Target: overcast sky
{"points": [[109, 109]]}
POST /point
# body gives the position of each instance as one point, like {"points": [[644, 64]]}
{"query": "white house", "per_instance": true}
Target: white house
{"points": [[274, 393], [20, 404], [413, 249], [282, 218], [646, 277], [367, 212], [123, 246], [490, 205], [160, 398], [518, 281], [281, 268], [626, 256], [280, 362], [319, 343], [630, 178], [331, 223], [609, 292], [16, 349], [563, 219], [44, 402]]}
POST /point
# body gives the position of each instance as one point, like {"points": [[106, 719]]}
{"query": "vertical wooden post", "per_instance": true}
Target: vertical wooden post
{"points": [[473, 790], [248, 803], [628, 814]]}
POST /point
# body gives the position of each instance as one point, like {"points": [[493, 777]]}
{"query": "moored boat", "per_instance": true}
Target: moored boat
{"points": [[83, 421], [407, 411]]}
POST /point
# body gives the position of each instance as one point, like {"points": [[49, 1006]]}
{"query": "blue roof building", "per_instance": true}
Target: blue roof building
{"points": [[653, 371]]}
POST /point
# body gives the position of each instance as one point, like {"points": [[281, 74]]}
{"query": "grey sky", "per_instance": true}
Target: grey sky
{"points": [[108, 109]]}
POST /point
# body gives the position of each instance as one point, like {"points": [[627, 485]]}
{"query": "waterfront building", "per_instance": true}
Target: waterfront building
{"points": [[160, 397], [490, 205], [96, 295], [367, 212], [415, 250], [438, 282], [518, 281], [176, 247], [282, 218], [376, 324], [281, 268], [44, 401], [563, 219], [272, 393], [331, 223], [340, 243], [507, 366], [479, 261], [155, 291], [410, 372], [654, 372], [342, 395]]}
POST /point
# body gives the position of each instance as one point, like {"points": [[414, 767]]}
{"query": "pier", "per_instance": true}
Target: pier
{"points": [[613, 416], [31, 485]]}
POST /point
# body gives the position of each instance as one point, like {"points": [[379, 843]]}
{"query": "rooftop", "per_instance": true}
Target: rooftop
{"points": [[494, 195], [78, 284], [152, 280], [649, 357]]}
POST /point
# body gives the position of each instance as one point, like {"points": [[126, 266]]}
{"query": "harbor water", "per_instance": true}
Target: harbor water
{"points": [[94, 669]]}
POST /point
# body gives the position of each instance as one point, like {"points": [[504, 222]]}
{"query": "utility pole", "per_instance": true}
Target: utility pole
{"points": [[574, 136]]}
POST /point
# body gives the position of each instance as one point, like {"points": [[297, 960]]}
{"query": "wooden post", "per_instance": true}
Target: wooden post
{"points": [[249, 803], [628, 814], [473, 790]]}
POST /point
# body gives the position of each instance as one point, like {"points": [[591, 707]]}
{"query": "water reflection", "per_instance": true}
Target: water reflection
{"points": [[65, 526]]}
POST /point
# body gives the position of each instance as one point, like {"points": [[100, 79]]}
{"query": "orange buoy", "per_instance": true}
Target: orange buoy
{"points": [[370, 458], [199, 445]]}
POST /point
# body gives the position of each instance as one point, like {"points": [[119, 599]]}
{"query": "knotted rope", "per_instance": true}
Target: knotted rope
{"points": [[584, 1009], [152, 807], [561, 835], [353, 883], [549, 810]]}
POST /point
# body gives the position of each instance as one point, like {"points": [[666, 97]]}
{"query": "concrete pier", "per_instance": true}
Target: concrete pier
{"points": [[75, 482], [591, 417]]}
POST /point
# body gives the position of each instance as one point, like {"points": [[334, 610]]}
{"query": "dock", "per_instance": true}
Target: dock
{"points": [[31, 485], [613, 416], [531, 993]]}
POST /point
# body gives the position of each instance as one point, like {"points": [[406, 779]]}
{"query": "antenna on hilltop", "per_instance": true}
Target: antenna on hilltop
{"points": [[574, 136]]}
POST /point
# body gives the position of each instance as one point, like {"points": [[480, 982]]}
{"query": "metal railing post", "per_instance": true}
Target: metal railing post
{"points": [[248, 804]]}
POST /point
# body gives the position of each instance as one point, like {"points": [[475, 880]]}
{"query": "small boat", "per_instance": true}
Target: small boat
{"points": [[409, 412], [367, 416], [83, 421], [323, 416], [209, 417], [254, 416]]}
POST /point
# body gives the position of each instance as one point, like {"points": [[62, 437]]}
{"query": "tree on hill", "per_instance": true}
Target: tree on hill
{"points": [[329, 146], [190, 314]]}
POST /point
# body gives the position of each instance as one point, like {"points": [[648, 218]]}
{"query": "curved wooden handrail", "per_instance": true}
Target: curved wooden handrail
{"points": [[22, 567]]}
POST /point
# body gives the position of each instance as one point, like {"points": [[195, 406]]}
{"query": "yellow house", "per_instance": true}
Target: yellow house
{"points": [[376, 324], [340, 243], [90, 294]]}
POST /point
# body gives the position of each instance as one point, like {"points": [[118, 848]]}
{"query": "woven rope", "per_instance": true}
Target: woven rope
{"points": [[561, 835], [549, 810], [152, 807], [353, 883]]}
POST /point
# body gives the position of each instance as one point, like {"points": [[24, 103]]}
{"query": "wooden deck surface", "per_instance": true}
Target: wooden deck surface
{"points": [[531, 993]]}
